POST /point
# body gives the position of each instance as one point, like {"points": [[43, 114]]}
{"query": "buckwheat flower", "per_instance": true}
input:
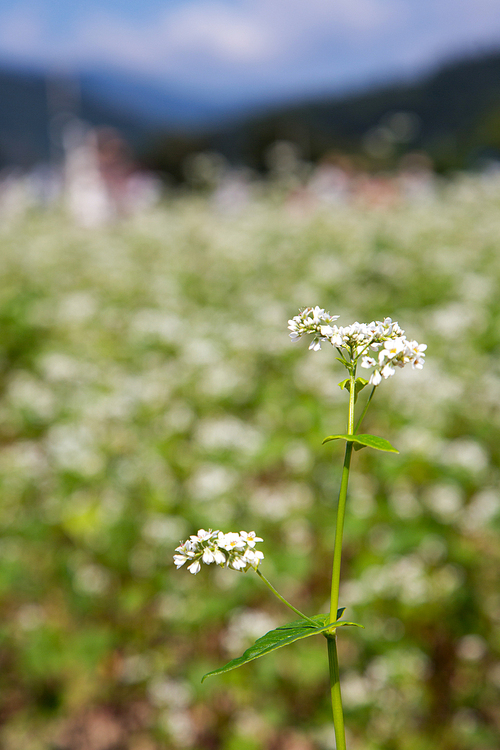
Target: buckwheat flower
{"points": [[237, 563], [201, 547], [203, 535], [208, 556], [187, 549], [250, 538], [393, 347], [253, 557], [315, 321], [396, 351], [219, 557], [417, 350], [179, 560], [231, 541], [387, 371], [234, 550]]}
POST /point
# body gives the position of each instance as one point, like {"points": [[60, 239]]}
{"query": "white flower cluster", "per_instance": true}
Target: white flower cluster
{"points": [[384, 337], [394, 352], [312, 320], [232, 550]]}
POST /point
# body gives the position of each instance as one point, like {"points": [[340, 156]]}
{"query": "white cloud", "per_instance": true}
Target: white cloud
{"points": [[256, 42], [259, 44], [251, 32]]}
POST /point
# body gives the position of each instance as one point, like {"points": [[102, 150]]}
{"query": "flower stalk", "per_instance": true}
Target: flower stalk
{"points": [[282, 598], [333, 662], [338, 713], [390, 349]]}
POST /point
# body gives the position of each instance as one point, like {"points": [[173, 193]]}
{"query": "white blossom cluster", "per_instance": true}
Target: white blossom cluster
{"points": [[386, 338], [233, 550], [312, 320], [394, 352]]}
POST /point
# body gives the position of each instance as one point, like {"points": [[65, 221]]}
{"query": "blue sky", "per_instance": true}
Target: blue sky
{"points": [[252, 48]]}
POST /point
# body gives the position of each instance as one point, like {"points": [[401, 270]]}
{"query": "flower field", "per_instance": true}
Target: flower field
{"points": [[149, 389]]}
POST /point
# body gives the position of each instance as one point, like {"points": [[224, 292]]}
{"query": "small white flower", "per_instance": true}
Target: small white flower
{"points": [[208, 556], [250, 538], [387, 371], [312, 320], [393, 347], [326, 331], [385, 337], [232, 541], [187, 549], [204, 535], [219, 557], [232, 549], [253, 557]]}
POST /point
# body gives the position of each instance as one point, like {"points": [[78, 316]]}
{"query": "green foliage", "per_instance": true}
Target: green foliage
{"points": [[359, 384], [149, 389], [283, 636], [371, 441]]}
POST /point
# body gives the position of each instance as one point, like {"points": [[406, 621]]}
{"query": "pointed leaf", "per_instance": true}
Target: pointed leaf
{"points": [[280, 637], [359, 384], [372, 441]]}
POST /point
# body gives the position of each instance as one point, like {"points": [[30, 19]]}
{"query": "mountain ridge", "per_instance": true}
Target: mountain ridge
{"points": [[457, 107]]}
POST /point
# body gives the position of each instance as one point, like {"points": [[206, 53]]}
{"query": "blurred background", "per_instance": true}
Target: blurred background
{"points": [[176, 181]]}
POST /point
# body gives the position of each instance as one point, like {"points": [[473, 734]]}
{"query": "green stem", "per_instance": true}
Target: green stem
{"points": [[358, 423], [338, 714], [282, 599], [339, 530]]}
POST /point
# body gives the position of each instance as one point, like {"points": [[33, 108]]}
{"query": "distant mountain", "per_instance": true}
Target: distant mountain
{"points": [[34, 108], [24, 136], [154, 104], [453, 114], [35, 105]]}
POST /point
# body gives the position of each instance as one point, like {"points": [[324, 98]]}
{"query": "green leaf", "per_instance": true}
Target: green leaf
{"points": [[282, 636], [372, 441], [359, 384]]}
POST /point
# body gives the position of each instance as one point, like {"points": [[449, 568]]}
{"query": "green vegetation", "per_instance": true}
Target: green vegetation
{"points": [[149, 389]]}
